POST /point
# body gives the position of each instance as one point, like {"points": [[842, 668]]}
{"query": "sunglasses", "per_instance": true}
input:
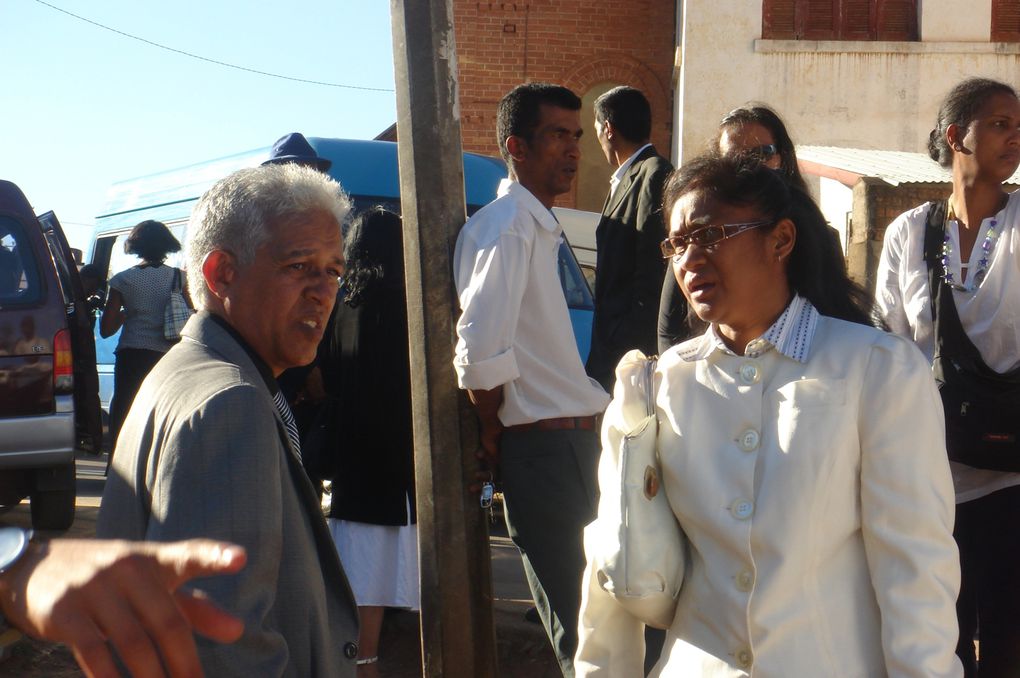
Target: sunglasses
{"points": [[708, 236], [763, 153]]}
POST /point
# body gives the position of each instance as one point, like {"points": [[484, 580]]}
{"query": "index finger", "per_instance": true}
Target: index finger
{"points": [[184, 560]]}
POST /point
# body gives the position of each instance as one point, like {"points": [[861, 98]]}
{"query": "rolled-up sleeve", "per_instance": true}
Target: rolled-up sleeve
{"points": [[491, 278], [907, 513]]}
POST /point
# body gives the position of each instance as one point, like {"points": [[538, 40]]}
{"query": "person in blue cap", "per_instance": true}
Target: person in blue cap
{"points": [[294, 148]]}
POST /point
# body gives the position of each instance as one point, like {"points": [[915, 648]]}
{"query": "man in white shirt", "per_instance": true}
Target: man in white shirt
{"points": [[629, 262], [518, 360]]}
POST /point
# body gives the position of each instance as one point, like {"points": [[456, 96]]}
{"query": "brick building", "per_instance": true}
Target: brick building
{"points": [[589, 46]]}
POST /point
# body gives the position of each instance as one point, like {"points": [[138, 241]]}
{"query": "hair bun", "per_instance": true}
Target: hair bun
{"points": [[933, 145]]}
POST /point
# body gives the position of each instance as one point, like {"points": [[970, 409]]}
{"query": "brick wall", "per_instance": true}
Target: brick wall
{"points": [[576, 43]]}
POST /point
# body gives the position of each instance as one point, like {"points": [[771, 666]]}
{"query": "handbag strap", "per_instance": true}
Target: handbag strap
{"points": [[176, 285], [649, 384], [951, 340]]}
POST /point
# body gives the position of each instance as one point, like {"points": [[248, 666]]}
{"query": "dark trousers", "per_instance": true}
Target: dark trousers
{"points": [[129, 372], [988, 534], [549, 490]]}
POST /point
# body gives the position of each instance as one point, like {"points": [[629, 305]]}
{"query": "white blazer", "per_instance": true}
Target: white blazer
{"points": [[818, 503]]}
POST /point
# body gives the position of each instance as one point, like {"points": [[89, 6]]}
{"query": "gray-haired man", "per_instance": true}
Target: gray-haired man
{"points": [[209, 448]]}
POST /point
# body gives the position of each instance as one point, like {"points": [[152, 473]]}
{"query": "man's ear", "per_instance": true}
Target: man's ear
{"points": [[516, 147], [784, 237], [219, 268]]}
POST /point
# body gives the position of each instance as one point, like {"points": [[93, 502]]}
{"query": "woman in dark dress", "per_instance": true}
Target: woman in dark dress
{"points": [[365, 365]]}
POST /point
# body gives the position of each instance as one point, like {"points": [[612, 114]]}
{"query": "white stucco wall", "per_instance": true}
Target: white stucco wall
{"points": [[836, 202], [881, 95]]}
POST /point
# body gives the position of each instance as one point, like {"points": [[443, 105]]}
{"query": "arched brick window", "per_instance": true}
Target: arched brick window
{"points": [[841, 19], [1005, 21]]}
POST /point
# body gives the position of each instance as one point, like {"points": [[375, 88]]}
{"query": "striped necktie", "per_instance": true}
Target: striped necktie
{"points": [[288, 421]]}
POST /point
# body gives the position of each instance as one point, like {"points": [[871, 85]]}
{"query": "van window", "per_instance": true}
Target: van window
{"points": [[19, 276]]}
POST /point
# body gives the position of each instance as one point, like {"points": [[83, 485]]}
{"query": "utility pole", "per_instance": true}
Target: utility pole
{"points": [[458, 637]]}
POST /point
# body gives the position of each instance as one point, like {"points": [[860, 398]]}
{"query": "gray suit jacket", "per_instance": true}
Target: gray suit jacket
{"points": [[203, 453]]}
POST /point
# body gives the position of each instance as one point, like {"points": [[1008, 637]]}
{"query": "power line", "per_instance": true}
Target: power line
{"points": [[207, 59]]}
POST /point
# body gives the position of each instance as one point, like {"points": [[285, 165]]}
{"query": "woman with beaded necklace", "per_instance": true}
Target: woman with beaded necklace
{"points": [[977, 137]]}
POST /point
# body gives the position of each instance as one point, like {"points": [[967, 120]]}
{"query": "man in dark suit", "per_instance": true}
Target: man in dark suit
{"points": [[629, 263], [210, 448]]}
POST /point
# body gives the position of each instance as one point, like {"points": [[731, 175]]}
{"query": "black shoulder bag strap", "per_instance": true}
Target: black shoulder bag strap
{"points": [[951, 340]]}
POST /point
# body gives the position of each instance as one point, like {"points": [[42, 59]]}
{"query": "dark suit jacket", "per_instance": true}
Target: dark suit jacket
{"points": [[203, 453], [629, 267]]}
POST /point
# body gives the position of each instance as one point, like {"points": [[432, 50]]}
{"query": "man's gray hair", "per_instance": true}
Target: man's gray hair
{"points": [[236, 213]]}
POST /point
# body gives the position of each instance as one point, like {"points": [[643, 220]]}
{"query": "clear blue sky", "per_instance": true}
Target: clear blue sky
{"points": [[82, 107]]}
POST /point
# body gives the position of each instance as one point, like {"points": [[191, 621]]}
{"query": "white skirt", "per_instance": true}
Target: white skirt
{"points": [[381, 562]]}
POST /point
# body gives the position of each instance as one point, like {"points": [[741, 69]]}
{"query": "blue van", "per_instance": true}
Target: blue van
{"points": [[366, 169]]}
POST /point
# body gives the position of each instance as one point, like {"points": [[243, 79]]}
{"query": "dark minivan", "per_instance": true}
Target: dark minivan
{"points": [[49, 390]]}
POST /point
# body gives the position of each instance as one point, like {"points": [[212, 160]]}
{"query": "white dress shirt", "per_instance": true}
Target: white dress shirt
{"points": [[819, 525], [617, 176], [514, 329], [990, 313]]}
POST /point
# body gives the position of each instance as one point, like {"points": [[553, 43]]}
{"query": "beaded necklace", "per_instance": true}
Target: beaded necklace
{"points": [[987, 247]]}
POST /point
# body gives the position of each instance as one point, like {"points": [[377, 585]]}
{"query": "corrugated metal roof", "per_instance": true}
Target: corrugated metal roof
{"points": [[893, 167]]}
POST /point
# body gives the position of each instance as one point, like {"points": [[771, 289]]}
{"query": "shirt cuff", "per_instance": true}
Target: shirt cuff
{"points": [[486, 374]]}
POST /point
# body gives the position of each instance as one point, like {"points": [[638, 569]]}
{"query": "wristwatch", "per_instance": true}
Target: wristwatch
{"points": [[13, 544]]}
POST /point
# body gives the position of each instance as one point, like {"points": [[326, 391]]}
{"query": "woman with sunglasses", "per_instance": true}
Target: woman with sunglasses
{"points": [[755, 131], [801, 453], [977, 245]]}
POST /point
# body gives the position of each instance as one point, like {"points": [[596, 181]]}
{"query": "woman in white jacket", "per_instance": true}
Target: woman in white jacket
{"points": [[802, 454]]}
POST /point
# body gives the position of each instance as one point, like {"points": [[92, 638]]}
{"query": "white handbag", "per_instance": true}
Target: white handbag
{"points": [[635, 546]]}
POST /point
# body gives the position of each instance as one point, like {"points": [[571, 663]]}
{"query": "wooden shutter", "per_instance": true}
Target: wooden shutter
{"points": [[777, 20], [897, 19], [819, 19], [856, 21], [1005, 21]]}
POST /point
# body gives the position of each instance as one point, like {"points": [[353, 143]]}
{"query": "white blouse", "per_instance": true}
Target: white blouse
{"points": [[990, 312], [820, 526]]}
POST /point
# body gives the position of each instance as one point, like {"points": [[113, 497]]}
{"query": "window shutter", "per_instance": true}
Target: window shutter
{"points": [[1005, 21], [778, 20], [897, 20], [820, 19], [856, 20]]}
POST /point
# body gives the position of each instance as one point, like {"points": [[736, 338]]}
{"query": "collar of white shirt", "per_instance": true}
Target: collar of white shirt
{"points": [[527, 200], [617, 177], [790, 334]]}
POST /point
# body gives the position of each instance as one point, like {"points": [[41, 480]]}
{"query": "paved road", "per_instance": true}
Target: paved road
{"points": [[522, 646]]}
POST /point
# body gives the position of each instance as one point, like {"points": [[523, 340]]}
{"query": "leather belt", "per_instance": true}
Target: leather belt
{"points": [[556, 424]]}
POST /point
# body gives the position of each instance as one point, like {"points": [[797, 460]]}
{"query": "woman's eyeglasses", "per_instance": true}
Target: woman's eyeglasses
{"points": [[708, 236]]}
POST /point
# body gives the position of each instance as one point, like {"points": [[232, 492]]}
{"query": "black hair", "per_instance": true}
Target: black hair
{"points": [[960, 107], [628, 111], [759, 114], [374, 254], [520, 110], [815, 270], [152, 241], [92, 271]]}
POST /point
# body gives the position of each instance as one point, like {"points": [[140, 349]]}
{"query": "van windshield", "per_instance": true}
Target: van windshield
{"points": [[19, 276]]}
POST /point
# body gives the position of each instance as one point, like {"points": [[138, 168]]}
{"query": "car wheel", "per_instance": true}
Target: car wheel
{"points": [[53, 499]]}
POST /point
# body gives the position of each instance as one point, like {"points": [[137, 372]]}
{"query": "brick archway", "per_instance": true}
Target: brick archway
{"points": [[620, 69]]}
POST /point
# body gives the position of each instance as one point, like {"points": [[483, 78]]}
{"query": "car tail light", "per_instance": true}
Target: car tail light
{"points": [[63, 365]]}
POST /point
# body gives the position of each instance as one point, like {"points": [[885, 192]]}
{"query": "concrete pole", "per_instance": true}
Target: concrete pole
{"points": [[458, 638]]}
